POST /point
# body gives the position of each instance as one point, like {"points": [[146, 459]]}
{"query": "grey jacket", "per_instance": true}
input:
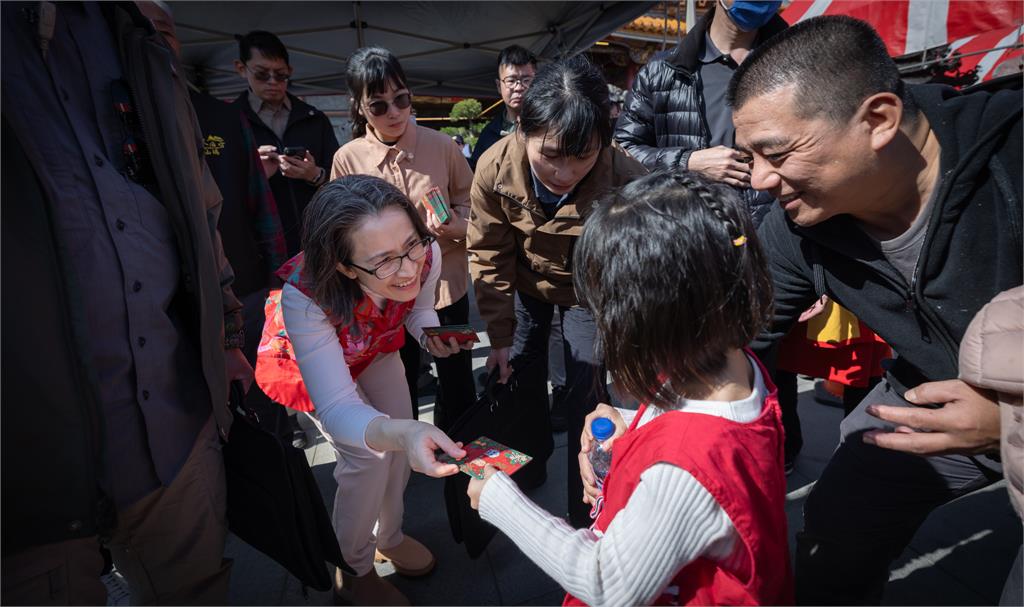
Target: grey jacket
{"points": [[49, 386]]}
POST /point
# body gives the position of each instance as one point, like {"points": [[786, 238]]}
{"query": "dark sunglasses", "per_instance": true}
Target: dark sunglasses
{"points": [[267, 76], [380, 107]]}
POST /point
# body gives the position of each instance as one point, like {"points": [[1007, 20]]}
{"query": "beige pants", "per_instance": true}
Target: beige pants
{"points": [[371, 489], [169, 546]]}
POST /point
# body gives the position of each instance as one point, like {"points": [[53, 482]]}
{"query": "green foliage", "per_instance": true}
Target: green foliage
{"points": [[465, 121], [467, 109]]}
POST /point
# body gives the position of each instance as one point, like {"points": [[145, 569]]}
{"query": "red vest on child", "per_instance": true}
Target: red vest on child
{"points": [[371, 332], [741, 466]]}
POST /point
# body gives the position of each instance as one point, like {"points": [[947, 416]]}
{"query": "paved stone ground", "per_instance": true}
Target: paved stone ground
{"points": [[961, 556]]}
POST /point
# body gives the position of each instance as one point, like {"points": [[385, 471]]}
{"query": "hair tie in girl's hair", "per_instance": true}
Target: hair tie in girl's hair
{"points": [[739, 242]]}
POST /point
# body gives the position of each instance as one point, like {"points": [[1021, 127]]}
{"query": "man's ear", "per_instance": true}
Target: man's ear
{"points": [[347, 271], [240, 68], [882, 114]]}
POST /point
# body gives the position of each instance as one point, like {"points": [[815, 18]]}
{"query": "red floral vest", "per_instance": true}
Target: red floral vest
{"points": [[741, 465], [371, 332]]}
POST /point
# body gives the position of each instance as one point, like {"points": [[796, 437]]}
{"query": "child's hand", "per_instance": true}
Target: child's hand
{"points": [[590, 490], [587, 442], [476, 486]]}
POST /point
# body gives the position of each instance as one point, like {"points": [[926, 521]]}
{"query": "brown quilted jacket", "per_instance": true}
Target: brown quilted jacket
{"points": [[514, 246]]}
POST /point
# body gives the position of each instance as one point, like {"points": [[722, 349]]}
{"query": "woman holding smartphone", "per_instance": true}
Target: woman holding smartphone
{"points": [[533, 191], [368, 268], [430, 169]]}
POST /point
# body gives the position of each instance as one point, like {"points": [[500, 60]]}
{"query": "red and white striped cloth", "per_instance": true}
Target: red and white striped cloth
{"points": [[986, 52], [912, 26]]}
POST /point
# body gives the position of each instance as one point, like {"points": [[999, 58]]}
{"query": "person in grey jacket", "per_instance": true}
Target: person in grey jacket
{"points": [[124, 332]]}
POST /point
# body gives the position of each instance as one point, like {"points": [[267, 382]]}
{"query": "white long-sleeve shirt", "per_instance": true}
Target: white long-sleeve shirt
{"points": [[321, 359], [669, 521]]}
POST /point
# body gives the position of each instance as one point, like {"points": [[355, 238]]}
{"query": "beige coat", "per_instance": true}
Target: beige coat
{"points": [[992, 357], [514, 246], [421, 159]]}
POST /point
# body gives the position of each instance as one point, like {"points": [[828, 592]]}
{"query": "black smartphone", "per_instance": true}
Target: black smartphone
{"points": [[295, 151]]}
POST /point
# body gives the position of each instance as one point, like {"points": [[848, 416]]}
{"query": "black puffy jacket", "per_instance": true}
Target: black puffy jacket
{"points": [[664, 118]]}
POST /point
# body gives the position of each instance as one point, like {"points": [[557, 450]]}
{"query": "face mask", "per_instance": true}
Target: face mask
{"points": [[749, 15]]}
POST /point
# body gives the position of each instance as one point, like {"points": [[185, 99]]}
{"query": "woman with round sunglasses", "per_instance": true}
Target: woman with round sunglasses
{"points": [[430, 169], [369, 266]]}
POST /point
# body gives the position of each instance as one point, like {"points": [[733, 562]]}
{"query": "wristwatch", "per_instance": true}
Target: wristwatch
{"points": [[319, 177]]}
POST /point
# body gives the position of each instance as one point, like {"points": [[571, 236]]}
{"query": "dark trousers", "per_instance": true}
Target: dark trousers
{"points": [[868, 504], [169, 545], [785, 383], [455, 388], [556, 367], [585, 384], [1013, 590]]}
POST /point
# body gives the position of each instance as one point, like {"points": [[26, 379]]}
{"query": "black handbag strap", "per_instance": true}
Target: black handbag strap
{"points": [[237, 404]]}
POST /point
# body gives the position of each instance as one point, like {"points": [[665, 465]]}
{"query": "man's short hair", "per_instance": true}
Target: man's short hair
{"points": [[515, 55], [269, 45], [836, 62]]}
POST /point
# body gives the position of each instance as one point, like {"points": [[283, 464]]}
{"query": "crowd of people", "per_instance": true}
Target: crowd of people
{"points": [[165, 244]]}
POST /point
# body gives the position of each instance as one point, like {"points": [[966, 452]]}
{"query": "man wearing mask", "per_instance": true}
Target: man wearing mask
{"points": [[516, 68], [676, 117]]}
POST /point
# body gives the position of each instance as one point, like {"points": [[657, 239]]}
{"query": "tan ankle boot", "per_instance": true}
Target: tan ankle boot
{"points": [[410, 558], [367, 589]]}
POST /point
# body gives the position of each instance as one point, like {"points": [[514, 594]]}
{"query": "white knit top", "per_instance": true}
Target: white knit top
{"points": [[669, 521]]}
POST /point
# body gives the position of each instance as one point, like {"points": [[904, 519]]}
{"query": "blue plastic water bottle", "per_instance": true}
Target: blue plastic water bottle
{"points": [[600, 457]]}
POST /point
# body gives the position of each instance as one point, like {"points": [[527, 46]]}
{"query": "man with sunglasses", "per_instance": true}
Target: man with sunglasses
{"points": [[281, 120], [516, 69]]}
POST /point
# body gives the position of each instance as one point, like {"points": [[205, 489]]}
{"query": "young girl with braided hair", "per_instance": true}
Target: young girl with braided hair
{"points": [[693, 506]]}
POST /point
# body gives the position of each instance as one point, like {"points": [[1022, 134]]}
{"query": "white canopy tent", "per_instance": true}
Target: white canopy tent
{"points": [[446, 48]]}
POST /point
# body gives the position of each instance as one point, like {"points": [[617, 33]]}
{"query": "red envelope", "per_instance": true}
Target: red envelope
{"points": [[485, 451]]}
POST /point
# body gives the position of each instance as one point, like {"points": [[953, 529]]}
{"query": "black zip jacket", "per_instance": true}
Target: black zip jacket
{"points": [[488, 137], [971, 252], [307, 127]]}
